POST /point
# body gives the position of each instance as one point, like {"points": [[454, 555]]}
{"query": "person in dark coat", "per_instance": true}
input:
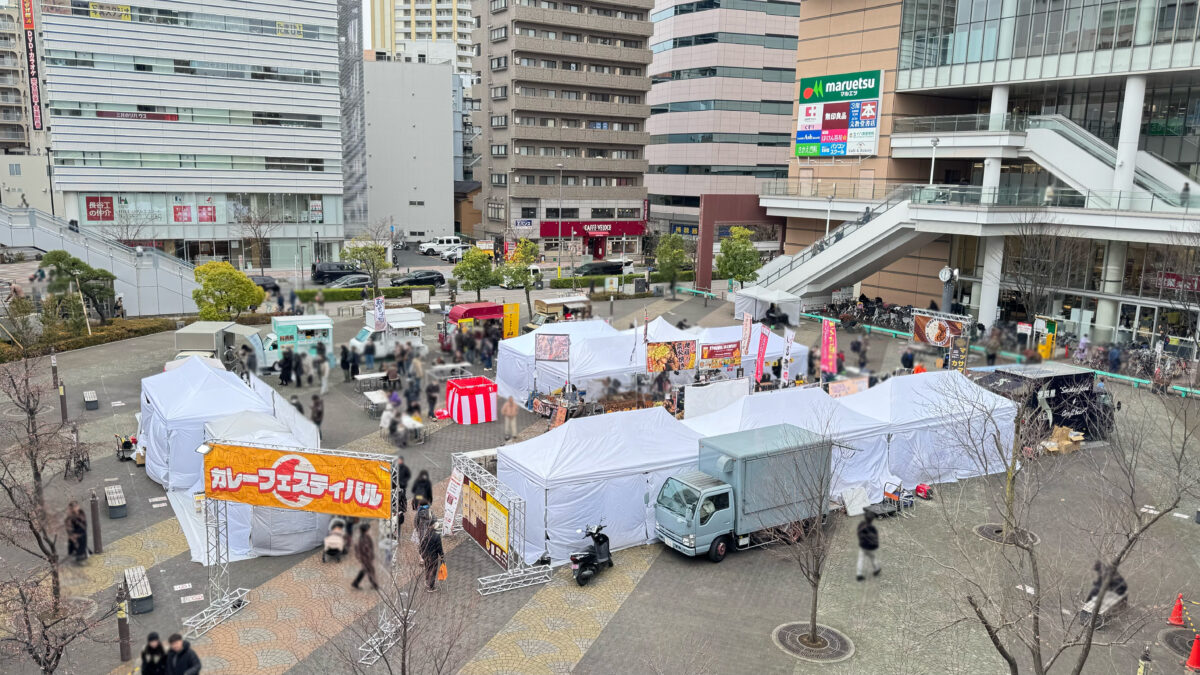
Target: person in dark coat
{"points": [[181, 660], [868, 544], [1116, 582], [317, 411], [432, 554], [355, 360], [77, 535], [285, 368], [906, 359], [431, 397], [423, 487], [401, 474], [154, 657], [344, 362], [364, 551]]}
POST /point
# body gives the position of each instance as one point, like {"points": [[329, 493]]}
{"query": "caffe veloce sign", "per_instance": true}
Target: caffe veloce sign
{"points": [[593, 228]]}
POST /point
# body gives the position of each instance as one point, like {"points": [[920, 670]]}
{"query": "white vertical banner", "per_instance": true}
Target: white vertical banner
{"points": [[380, 314], [747, 321], [453, 494], [789, 336]]}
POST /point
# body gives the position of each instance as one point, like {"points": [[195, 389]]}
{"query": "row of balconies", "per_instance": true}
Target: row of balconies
{"points": [[521, 132], [575, 192], [593, 108], [593, 165], [581, 50], [578, 78], [576, 20]]}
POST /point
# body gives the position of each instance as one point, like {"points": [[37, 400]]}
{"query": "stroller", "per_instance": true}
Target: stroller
{"points": [[335, 541]]}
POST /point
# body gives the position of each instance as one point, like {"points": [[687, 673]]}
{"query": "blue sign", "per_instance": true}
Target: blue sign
{"points": [[808, 136], [685, 229]]}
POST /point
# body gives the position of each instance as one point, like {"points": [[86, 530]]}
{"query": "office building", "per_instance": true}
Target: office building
{"points": [[438, 31], [197, 131], [722, 77], [354, 120], [563, 112], [932, 134]]}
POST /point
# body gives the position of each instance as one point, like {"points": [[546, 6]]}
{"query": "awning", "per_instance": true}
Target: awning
{"points": [[479, 311]]}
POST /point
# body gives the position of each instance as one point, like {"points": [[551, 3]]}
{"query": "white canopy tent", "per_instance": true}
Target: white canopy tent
{"points": [[775, 345], [606, 469], [305, 434], [619, 356], [515, 365], [174, 408], [860, 458], [942, 426], [209, 361], [756, 300]]}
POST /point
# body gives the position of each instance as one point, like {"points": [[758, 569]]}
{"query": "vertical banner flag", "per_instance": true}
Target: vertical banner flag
{"points": [[453, 493], [762, 354], [958, 354], [789, 336], [828, 347], [380, 314], [645, 325], [746, 319]]}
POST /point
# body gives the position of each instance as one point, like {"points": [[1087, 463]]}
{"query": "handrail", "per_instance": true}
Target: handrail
{"points": [[34, 219], [924, 124]]}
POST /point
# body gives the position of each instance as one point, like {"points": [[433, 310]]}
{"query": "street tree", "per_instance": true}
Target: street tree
{"points": [[516, 271], [1175, 271], [69, 274], [38, 629], [130, 225], [224, 292], [370, 256], [475, 272], [670, 255], [738, 259], [257, 226], [1038, 259]]}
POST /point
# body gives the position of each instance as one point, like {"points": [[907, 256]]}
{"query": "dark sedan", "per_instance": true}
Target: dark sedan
{"points": [[268, 284], [351, 281], [420, 278]]}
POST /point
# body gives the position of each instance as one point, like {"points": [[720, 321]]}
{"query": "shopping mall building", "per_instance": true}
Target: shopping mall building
{"points": [[935, 133]]}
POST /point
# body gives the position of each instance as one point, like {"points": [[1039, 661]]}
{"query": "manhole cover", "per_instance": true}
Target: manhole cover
{"points": [[835, 646], [1178, 640], [994, 532]]}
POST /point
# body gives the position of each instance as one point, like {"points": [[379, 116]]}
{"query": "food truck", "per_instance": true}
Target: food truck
{"points": [[298, 333], [400, 325], [550, 310], [470, 315]]}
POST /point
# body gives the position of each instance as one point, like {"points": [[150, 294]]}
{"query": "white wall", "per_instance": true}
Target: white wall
{"points": [[410, 146]]}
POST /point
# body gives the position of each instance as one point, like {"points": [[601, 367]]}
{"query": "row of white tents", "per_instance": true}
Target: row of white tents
{"points": [[598, 352], [928, 428]]}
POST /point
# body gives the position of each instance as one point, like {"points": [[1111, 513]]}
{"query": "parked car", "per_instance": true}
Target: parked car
{"points": [[438, 246], [351, 281], [604, 267], [268, 284], [420, 278], [454, 254], [324, 272]]}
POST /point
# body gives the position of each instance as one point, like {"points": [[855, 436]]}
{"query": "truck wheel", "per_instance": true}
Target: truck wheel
{"points": [[719, 548]]}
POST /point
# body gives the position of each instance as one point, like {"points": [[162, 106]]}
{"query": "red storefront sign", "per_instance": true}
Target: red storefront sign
{"points": [[1177, 282], [593, 228], [208, 214], [99, 208], [132, 115], [182, 214]]}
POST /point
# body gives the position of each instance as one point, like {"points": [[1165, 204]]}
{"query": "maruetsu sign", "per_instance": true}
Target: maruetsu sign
{"points": [[847, 87], [838, 115]]}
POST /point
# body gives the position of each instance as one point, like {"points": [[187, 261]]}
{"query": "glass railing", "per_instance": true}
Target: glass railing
{"points": [[849, 189], [956, 123]]}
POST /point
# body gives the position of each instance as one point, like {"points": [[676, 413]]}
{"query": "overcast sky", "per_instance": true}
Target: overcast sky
{"points": [[366, 24]]}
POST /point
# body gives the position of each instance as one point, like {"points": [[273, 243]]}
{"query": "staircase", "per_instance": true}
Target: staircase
{"points": [[150, 281]]}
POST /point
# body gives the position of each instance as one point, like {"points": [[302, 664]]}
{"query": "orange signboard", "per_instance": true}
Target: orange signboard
{"points": [[303, 481]]}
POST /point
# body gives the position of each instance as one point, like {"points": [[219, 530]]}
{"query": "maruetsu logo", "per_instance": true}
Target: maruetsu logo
{"points": [[839, 87]]}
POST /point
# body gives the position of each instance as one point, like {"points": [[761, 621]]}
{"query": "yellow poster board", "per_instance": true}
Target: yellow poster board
{"points": [[512, 319]]}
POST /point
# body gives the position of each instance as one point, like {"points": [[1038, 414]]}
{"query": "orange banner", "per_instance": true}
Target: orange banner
{"points": [[303, 481]]}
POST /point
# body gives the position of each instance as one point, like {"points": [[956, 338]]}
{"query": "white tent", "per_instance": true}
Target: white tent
{"points": [[209, 361], [775, 345], [305, 434], [860, 457], [943, 427], [606, 468], [617, 356], [175, 405], [515, 365], [756, 300]]}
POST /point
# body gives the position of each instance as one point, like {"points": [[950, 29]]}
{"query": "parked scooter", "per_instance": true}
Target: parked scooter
{"points": [[586, 564]]}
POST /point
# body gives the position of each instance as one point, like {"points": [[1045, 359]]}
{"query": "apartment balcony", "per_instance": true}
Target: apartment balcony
{"points": [[576, 192], [579, 164], [521, 132], [559, 105], [581, 50], [576, 78], [606, 24]]}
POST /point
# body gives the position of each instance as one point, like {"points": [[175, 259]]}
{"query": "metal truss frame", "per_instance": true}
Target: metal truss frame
{"points": [[223, 602], [391, 627]]}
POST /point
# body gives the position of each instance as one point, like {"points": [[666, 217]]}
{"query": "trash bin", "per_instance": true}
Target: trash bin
{"points": [[640, 285]]}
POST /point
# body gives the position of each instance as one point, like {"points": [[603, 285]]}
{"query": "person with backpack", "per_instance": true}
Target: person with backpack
{"points": [[868, 544]]}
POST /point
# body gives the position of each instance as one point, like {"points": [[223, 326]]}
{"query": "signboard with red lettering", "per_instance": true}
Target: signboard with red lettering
{"points": [[207, 214], [181, 214], [31, 62], [134, 115], [99, 208], [828, 347], [761, 358], [593, 228]]}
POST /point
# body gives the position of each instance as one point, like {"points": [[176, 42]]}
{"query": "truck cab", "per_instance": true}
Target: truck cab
{"points": [[402, 325], [693, 511], [300, 333]]}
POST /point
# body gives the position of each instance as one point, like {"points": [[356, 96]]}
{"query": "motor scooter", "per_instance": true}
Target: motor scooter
{"points": [[586, 564]]}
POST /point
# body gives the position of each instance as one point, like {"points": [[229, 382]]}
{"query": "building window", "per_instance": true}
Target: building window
{"points": [[595, 181], [495, 211], [570, 96], [626, 182], [499, 121], [497, 34], [14, 169], [529, 212], [499, 92], [412, 203], [602, 213], [499, 5], [566, 213], [499, 151], [499, 63], [500, 179], [629, 213]]}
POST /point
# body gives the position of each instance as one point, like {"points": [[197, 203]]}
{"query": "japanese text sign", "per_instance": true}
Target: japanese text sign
{"points": [[302, 481], [828, 347], [761, 358]]}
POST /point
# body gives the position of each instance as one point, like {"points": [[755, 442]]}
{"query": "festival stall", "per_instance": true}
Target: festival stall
{"points": [[515, 364], [860, 456], [942, 427], [720, 339], [757, 300], [605, 469], [174, 408], [307, 434]]}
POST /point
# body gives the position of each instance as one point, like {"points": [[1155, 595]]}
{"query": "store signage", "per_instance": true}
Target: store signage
{"points": [[935, 330], [838, 115], [746, 321], [316, 211], [595, 228], [670, 356], [289, 29], [828, 347], [485, 520], [721, 355], [1178, 282], [761, 358], [207, 214], [958, 354], [132, 115], [789, 337], [99, 208], [31, 60], [685, 230], [104, 10], [181, 214]]}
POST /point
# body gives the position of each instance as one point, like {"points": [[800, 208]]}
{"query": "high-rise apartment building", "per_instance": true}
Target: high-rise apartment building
{"points": [[563, 111], [426, 31], [720, 102], [199, 129], [16, 114]]}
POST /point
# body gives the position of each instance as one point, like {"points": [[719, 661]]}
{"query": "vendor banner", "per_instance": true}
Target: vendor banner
{"points": [[299, 480], [551, 347], [747, 320], [840, 388], [453, 495], [958, 354], [761, 358], [721, 355], [678, 355], [789, 336], [512, 319], [485, 520], [935, 330], [828, 347], [380, 315]]}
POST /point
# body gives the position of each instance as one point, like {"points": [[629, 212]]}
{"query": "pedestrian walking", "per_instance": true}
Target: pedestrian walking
{"points": [[1114, 359], [154, 657], [323, 370], [992, 348], [485, 353], [317, 411], [181, 660], [364, 550], [303, 369], [77, 535], [295, 401], [906, 359], [509, 412], [320, 300], [401, 474], [432, 554], [369, 355], [868, 544], [392, 379], [1185, 195], [286, 363], [422, 488], [355, 360], [344, 360], [431, 396], [251, 360]]}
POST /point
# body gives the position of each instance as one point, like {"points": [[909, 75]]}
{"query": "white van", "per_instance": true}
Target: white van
{"points": [[438, 246], [404, 325]]}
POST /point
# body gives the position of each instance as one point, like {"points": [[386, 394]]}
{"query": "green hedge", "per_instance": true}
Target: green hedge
{"points": [[118, 329], [603, 297], [583, 282], [344, 294]]}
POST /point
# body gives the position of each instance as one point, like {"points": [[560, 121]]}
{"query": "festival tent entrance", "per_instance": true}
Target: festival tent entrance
{"points": [[860, 450], [942, 426], [604, 469], [175, 405], [775, 345], [756, 300], [515, 365]]}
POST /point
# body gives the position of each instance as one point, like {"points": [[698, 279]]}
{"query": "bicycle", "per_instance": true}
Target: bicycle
{"points": [[79, 462]]}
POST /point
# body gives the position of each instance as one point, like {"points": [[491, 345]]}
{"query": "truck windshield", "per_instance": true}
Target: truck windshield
{"points": [[678, 498], [363, 335]]}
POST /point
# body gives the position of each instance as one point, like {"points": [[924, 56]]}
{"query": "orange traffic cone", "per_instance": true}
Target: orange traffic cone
{"points": [[1193, 662], [1177, 613]]}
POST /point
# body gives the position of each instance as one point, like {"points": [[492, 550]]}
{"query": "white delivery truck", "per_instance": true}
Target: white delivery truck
{"points": [[402, 325], [300, 333]]}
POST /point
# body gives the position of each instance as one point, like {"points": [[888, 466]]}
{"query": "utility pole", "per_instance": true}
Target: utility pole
{"points": [[97, 543]]}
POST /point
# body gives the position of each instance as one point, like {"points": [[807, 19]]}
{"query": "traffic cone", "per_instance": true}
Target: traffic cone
{"points": [[1193, 662], [1177, 613]]}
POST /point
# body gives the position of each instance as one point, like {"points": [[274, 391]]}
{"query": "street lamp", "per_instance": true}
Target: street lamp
{"points": [[932, 158], [317, 247], [300, 266], [559, 166], [828, 209]]}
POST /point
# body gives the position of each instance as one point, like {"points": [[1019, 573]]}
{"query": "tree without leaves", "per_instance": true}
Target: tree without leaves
{"points": [[1176, 270], [257, 225], [738, 259], [475, 272], [1038, 256], [516, 271], [69, 274], [670, 255], [38, 629], [131, 225], [224, 292], [371, 258]]}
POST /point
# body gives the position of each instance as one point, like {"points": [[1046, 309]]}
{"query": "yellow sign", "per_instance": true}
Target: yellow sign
{"points": [[465, 323], [289, 29], [512, 319], [104, 10], [497, 524], [1046, 348], [299, 480]]}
